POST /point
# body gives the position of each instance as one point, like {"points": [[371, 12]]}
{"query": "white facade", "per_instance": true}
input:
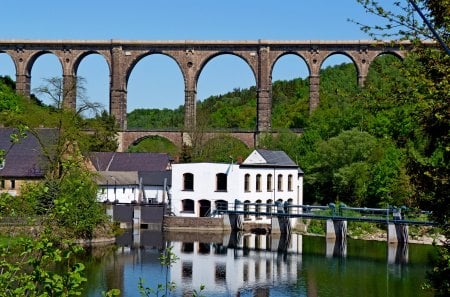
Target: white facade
{"points": [[233, 269], [200, 188], [118, 193]]}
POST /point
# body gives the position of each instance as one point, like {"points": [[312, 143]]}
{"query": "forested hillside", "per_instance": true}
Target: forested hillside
{"points": [[354, 146], [15, 110]]}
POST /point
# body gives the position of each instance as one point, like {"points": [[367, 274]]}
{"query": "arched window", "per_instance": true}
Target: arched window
{"points": [[188, 182], [269, 207], [258, 183], [280, 182], [246, 209], [205, 207], [290, 183], [269, 183], [221, 182], [187, 205], [247, 183], [258, 209], [221, 204]]}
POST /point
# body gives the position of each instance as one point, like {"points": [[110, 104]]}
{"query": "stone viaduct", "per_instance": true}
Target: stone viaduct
{"points": [[191, 57]]}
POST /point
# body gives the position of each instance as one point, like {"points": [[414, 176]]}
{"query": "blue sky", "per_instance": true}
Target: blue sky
{"points": [[156, 81]]}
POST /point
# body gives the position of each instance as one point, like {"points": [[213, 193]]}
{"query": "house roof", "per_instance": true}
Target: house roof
{"points": [[122, 178], [25, 159], [115, 161], [156, 178], [264, 158]]}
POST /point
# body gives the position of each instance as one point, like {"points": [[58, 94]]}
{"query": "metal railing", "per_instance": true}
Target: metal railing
{"points": [[392, 214]]}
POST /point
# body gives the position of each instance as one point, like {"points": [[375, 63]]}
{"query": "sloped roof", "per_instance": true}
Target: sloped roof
{"points": [[115, 161], [25, 158], [261, 157], [122, 178], [156, 178]]}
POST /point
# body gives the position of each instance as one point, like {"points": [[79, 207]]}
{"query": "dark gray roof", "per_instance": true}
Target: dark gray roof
{"points": [[115, 161], [156, 178], [279, 158], [25, 158]]}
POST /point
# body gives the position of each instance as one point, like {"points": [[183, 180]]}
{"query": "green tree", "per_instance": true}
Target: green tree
{"points": [[222, 149], [101, 133], [428, 85], [156, 144]]}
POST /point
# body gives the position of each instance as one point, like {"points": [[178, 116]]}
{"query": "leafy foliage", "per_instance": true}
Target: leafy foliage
{"points": [[31, 273], [154, 144], [155, 118], [425, 90], [224, 149], [65, 202]]}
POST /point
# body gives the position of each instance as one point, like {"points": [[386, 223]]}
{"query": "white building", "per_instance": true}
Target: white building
{"points": [[133, 187], [131, 177], [118, 186], [265, 177]]}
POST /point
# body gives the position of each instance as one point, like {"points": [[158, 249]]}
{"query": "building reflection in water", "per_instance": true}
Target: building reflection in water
{"points": [[238, 262], [245, 264]]}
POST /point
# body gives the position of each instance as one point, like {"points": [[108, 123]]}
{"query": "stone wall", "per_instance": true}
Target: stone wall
{"points": [[192, 224]]}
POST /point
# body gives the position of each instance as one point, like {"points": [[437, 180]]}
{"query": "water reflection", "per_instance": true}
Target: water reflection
{"points": [[237, 262], [243, 264]]}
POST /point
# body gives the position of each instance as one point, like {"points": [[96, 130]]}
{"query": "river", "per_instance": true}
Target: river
{"points": [[240, 264]]}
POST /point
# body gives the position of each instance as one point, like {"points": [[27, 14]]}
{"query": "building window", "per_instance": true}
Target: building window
{"points": [[269, 183], [186, 269], [187, 205], [247, 183], [220, 273], [13, 184], [221, 182], [103, 190], [290, 182], [188, 182], [204, 248], [2, 183], [221, 205], [258, 183], [205, 207], [123, 190], [269, 206], [258, 208], [187, 247], [246, 209], [280, 182]]}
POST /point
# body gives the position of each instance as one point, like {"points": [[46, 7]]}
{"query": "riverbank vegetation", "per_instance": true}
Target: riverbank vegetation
{"points": [[41, 224]]}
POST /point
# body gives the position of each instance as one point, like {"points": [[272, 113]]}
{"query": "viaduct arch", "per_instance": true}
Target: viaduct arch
{"points": [[191, 56]]}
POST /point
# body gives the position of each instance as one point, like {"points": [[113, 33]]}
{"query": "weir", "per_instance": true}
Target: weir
{"points": [[396, 219]]}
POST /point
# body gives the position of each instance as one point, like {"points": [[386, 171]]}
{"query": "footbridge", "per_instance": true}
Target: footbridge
{"points": [[284, 216]]}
